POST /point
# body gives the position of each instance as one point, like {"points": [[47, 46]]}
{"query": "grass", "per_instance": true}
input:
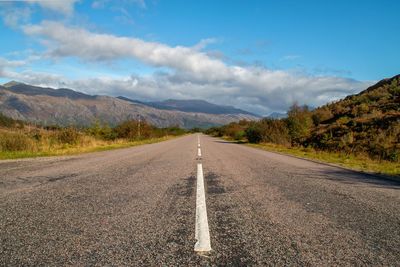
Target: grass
{"points": [[355, 162], [24, 140], [86, 145]]}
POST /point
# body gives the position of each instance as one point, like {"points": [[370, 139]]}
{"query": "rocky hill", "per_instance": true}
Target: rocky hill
{"points": [[68, 107]]}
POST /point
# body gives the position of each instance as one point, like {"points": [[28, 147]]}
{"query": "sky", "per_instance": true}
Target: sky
{"points": [[261, 56]]}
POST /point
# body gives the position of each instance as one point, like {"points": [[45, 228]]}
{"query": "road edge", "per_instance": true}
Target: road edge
{"points": [[371, 174]]}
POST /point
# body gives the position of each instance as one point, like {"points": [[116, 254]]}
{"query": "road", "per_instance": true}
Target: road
{"points": [[137, 207]]}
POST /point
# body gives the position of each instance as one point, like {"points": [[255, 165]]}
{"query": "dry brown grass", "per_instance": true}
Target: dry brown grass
{"points": [[36, 142]]}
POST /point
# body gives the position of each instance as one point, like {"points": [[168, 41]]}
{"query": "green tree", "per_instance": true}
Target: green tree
{"points": [[299, 122], [254, 133]]}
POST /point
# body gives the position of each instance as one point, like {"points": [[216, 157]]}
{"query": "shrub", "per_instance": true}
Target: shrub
{"points": [[393, 155], [133, 130], [6, 121], [299, 122], [363, 108], [254, 134], [239, 135], [214, 131], [231, 130], [321, 115], [175, 130], [15, 142], [37, 135], [343, 120], [104, 131], [274, 131], [68, 136]]}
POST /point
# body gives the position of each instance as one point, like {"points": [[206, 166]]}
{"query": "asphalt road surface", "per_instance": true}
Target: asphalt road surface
{"points": [[137, 207]]}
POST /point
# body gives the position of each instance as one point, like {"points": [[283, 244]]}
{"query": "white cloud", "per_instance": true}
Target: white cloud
{"points": [[5, 63], [191, 73], [92, 46], [61, 6], [12, 17], [8, 70], [204, 43], [14, 14]]}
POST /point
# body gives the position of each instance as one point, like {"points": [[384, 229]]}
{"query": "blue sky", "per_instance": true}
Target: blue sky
{"points": [[257, 55]]}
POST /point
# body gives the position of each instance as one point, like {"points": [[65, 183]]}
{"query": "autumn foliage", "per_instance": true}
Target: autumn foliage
{"points": [[365, 123]]}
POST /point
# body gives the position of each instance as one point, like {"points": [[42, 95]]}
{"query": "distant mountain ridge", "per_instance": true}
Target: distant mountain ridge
{"points": [[195, 105], [277, 115], [65, 106], [31, 90]]}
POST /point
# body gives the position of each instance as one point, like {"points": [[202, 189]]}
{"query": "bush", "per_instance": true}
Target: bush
{"points": [[234, 130], [15, 142], [393, 155], [274, 131], [104, 131], [6, 121], [214, 131], [175, 130], [133, 130], [321, 115], [239, 135], [299, 122], [254, 134], [68, 136]]}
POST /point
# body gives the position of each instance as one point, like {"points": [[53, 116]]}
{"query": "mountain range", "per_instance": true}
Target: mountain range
{"points": [[65, 107], [198, 106]]}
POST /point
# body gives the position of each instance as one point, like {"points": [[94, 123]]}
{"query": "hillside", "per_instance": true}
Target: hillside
{"points": [[368, 121], [68, 107]]}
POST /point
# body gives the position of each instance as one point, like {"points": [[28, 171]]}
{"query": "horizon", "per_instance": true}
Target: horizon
{"points": [[193, 99], [13, 82], [260, 57]]}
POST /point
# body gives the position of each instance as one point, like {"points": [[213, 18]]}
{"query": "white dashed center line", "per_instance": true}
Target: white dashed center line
{"points": [[202, 232]]}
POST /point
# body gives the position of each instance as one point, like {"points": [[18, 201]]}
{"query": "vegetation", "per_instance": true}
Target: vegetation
{"points": [[360, 128], [19, 139], [360, 162]]}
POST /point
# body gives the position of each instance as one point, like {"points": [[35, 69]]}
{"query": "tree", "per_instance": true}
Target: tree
{"points": [[130, 130], [254, 133], [274, 131], [299, 122]]}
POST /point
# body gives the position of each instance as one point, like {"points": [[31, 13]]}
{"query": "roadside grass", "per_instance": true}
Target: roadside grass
{"points": [[355, 162], [24, 145]]}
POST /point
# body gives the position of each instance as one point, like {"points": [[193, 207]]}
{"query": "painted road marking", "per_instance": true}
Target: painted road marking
{"points": [[199, 152], [202, 232]]}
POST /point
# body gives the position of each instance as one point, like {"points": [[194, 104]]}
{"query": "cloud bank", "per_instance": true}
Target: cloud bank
{"points": [[184, 72]]}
